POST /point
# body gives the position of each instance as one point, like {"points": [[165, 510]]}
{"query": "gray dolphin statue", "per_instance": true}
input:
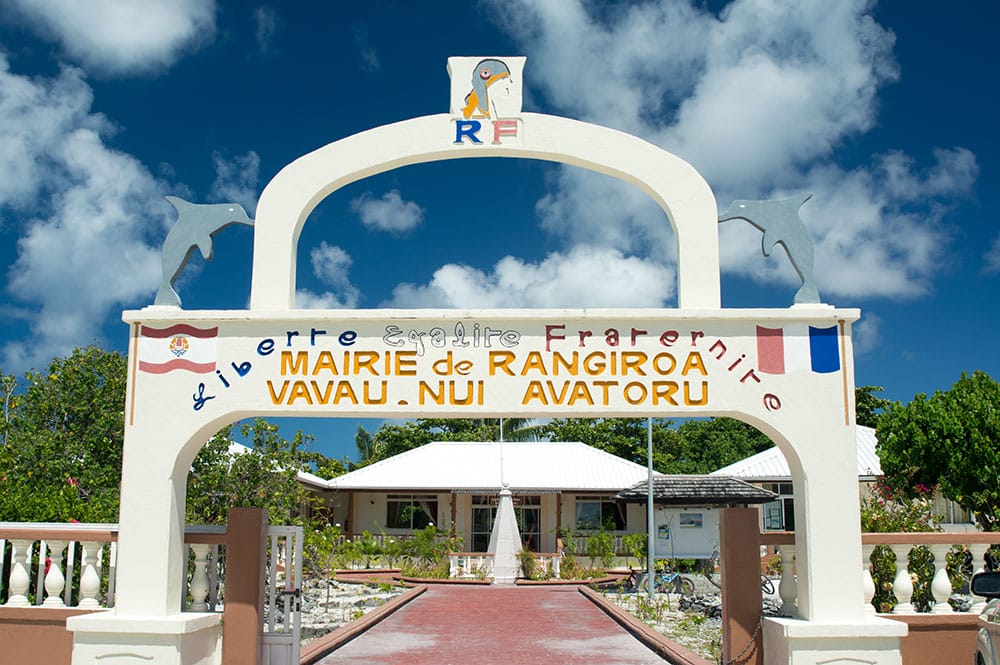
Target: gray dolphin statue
{"points": [[195, 226], [779, 221]]}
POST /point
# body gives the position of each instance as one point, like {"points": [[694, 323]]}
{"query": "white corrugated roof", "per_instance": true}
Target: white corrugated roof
{"points": [[455, 465], [771, 465]]}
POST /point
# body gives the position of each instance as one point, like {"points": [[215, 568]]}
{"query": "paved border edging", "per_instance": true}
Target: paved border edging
{"points": [[667, 649], [318, 648]]}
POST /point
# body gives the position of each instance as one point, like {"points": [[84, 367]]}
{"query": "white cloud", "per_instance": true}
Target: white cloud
{"points": [[93, 215], [236, 179], [265, 27], [758, 99], [389, 213], [115, 37], [866, 334], [367, 54], [331, 265], [583, 277], [991, 260]]}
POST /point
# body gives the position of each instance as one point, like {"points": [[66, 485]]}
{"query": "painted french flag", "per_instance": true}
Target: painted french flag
{"points": [[180, 346], [797, 347]]}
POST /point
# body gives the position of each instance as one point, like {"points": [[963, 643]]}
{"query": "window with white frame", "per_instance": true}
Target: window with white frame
{"points": [[592, 514], [779, 515], [410, 511]]}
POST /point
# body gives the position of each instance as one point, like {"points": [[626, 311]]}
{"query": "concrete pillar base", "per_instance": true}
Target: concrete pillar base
{"points": [[192, 638], [875, 641]]}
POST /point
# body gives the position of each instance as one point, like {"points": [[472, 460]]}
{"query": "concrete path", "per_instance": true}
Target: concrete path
{"points": [[455, 625]]}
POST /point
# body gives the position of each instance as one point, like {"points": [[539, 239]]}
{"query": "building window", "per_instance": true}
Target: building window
{"points": [[594, 514], [410, 512], [779, 515]]}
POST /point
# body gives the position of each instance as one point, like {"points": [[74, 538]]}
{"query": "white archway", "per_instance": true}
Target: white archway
{"points": [[696, 360], [298, 188]]}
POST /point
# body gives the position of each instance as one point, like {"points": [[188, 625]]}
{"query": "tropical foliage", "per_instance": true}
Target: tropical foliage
{"points": [[61, 458], [948, 440]]}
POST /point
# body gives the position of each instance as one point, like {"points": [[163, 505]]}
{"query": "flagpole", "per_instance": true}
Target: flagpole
{"points": [[650, 541]]}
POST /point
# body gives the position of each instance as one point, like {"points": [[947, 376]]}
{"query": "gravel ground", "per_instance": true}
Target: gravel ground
{"points": [[323, 612], [698, 628]]}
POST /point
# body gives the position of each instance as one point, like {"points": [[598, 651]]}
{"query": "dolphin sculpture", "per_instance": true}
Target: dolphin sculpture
{"points": [[779, 221], [196, 225]]}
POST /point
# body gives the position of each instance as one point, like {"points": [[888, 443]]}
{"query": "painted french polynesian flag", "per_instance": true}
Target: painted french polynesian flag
{"points": [[797, 347], [179, 347]]}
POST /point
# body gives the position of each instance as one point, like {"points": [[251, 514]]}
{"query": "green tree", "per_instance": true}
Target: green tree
{"points": [[390, 440], [707, 445], [61, 459], [948, 440], [868, 406], [263, 475]]}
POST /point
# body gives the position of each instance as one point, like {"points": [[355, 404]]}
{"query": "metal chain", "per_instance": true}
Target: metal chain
{"points": [[752, 642]]}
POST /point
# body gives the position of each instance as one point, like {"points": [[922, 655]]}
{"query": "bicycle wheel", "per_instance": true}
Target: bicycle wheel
{"points": [[685, 586], [766, 585]]}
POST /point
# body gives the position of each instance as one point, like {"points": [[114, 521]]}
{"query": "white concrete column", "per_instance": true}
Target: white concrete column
{"points": [[827, 523]]}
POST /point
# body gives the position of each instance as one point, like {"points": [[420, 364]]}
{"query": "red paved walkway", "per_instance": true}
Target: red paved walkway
{"points": [[502, 625]]}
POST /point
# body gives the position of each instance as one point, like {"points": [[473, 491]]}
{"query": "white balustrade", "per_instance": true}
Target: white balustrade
{"points": [[940, 584], [63, 571]]}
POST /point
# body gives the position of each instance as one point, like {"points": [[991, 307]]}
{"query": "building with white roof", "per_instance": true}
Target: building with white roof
{"points": [[557, 486], [769, 469]]}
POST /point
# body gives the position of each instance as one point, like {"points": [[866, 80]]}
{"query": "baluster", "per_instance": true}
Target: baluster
{"points": [[902, 585], [978, 551], [90, 579], [199, 578], [940, 584], [867, 583], [19, 578], [788, 588], [55, 581], [70, 559], [213, 579]]}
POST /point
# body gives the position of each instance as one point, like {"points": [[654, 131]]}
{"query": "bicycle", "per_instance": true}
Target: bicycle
{"points": [[664, 582], [766, 583]]}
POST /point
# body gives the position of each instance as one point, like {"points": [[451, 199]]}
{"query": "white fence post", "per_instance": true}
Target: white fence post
{"points": [[55, 581], [90, 580], [902, 585], [19, 579]]}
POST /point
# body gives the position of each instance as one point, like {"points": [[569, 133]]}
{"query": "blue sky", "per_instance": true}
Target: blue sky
{"points": [[879, 109]]}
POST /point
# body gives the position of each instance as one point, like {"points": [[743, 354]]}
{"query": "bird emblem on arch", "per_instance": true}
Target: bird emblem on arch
{"points": [[485, 74]]}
